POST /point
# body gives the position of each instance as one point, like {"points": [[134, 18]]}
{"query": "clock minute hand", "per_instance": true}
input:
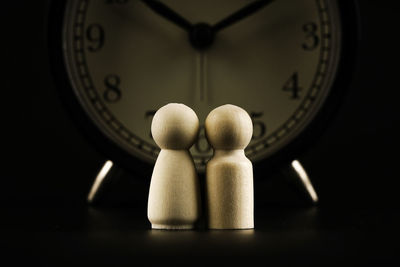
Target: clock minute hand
{"points": [[241, 14], [169, 14]]}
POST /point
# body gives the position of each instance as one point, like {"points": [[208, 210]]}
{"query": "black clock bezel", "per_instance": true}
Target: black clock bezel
{"points": [[350, 37]]}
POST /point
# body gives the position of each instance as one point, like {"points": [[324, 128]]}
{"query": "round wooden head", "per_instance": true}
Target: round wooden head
{"points": [[175, 126], [228, 127]]}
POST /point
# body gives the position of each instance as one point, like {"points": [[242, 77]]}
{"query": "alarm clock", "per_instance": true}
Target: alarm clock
{"points": [[288, 63]]}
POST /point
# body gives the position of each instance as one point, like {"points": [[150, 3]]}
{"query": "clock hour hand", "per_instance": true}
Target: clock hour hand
{"points": [[241, 14], [167, 13]]}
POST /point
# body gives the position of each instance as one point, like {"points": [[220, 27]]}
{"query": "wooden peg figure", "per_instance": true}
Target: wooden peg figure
{"points": [[174, 196], [229, 174]]}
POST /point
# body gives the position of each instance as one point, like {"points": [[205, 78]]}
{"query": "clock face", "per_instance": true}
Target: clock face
{"points": [[124, 61]]}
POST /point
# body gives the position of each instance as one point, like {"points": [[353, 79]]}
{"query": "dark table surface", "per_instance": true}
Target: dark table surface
{"points": [[48, 168], [73, 233]]}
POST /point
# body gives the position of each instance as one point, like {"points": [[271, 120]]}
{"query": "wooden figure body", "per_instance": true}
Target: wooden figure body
{"points": [[174, 195], [229, 174]]}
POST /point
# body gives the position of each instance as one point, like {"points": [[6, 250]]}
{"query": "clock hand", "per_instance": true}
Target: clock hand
{"points": [[240, 14], [169, 14], [201, 76]]}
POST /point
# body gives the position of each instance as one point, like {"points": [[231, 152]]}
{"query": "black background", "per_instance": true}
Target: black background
{"points": [[48, 168]]}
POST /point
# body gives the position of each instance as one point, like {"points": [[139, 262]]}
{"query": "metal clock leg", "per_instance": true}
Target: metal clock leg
{"points": [[296, 176], [107, 174]]}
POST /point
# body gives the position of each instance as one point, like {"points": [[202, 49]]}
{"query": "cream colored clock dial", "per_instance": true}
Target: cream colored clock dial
{"points": [[125, 62]]}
